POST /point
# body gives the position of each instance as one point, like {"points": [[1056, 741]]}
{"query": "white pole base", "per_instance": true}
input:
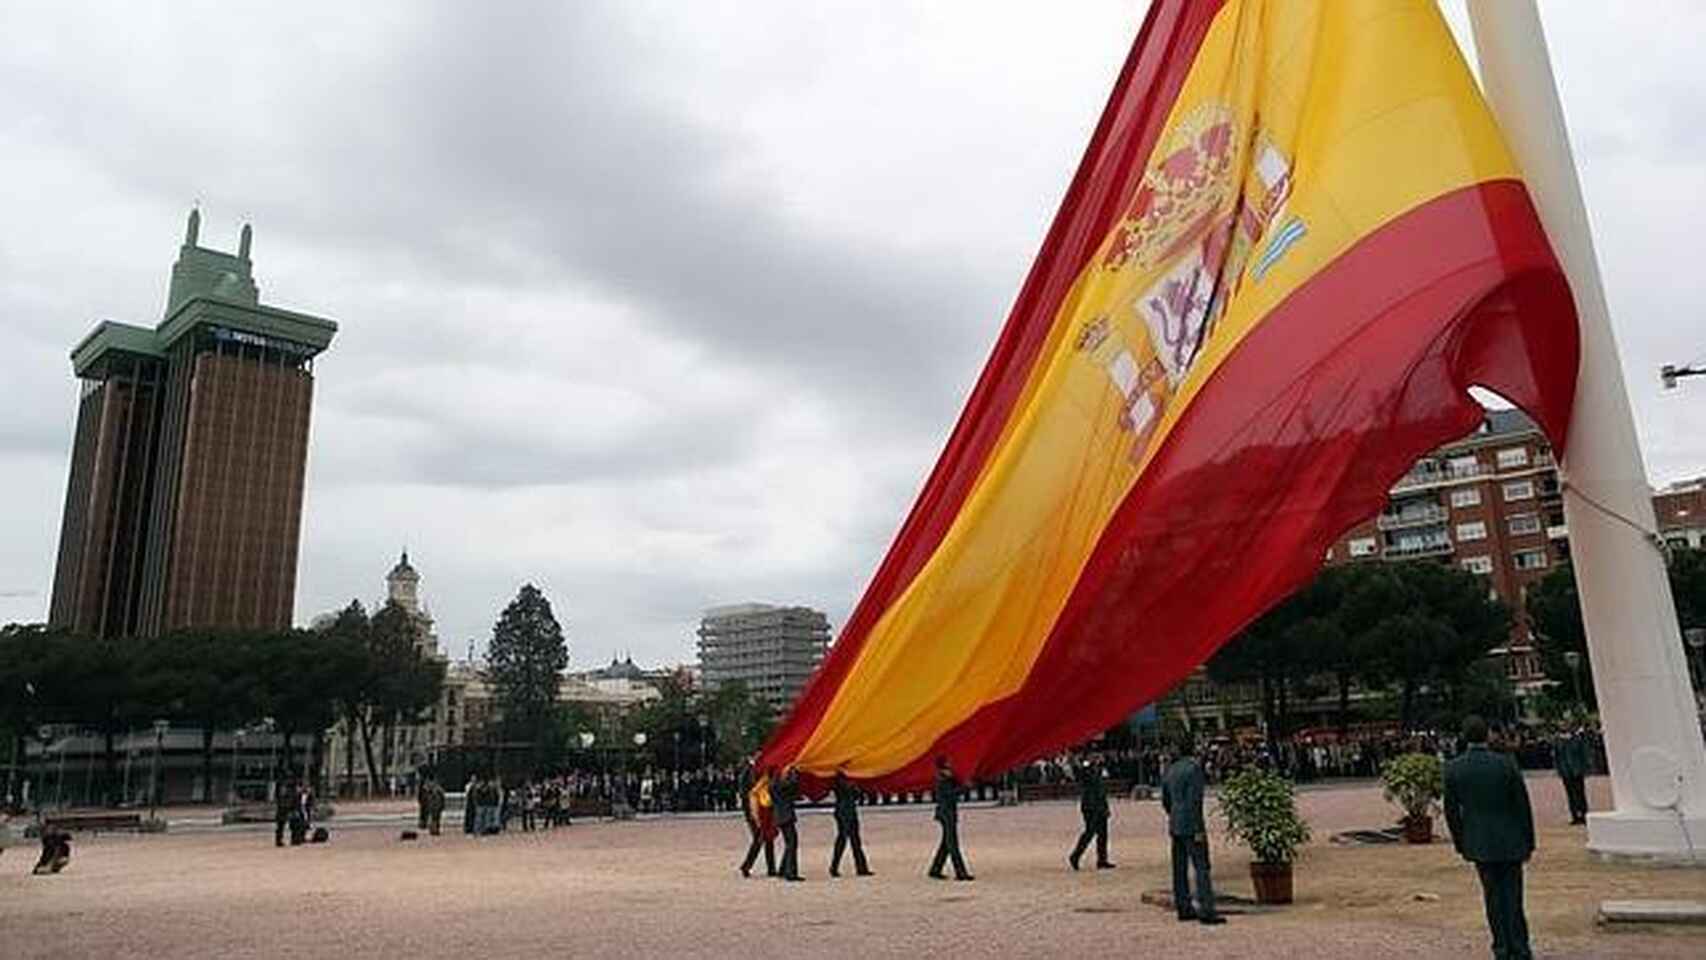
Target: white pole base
{"points": [[1648, 836]]}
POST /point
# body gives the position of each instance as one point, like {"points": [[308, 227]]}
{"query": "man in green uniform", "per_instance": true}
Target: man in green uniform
{"points": [[1492, 825], [1570, 758], [847, 827], [784, 794], [760, 840], [1182, 789], [1093, 805], [948, 815], [432, 805]]}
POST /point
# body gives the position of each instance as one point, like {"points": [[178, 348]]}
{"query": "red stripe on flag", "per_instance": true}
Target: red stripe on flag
{"points": [[1107, 177], [1285, 448]]}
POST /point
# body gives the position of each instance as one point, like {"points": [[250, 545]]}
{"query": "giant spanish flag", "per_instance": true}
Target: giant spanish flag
{"points": [[1296, 239]]}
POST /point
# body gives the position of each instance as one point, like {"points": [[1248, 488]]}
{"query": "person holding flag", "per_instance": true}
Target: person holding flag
{"points": [[948, 815], [756, 811]]}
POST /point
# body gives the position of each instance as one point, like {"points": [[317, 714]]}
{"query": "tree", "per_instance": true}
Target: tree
{"points": [[25, 652], [1299, 636], [524, 664], [1555, 616], [405, 682], [1417, 626], [739, 722], [308, 675], [208, 679], [1440, 621]]}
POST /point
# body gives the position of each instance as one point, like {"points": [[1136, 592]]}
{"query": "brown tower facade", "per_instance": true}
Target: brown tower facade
{"points": [[184, 503]]}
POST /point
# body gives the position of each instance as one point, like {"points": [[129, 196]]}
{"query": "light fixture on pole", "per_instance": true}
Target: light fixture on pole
{"points": [[268, 724], [160, 728], [1696, 639], [1573, 660], [1670, 373], [236, 745]]}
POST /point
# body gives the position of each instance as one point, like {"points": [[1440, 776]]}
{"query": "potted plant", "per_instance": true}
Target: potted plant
{"points": [[1415, 782], [1260, 810]]}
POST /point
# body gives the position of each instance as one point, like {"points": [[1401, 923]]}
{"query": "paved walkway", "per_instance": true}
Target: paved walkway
{"points": [[667, 887]]}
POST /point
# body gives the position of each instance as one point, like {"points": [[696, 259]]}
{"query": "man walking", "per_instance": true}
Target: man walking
{"points": [[1570, 758], [948, 815], [760, 838], [784, 795], [847, 827], [1492, 826], [1182, 789], [1093, 805]]}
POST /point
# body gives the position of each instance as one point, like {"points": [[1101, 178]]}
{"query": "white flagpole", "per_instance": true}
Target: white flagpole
{"points": [[1652, 730]]}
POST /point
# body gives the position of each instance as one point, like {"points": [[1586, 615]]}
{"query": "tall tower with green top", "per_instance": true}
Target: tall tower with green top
{"points": [[184, 504]]}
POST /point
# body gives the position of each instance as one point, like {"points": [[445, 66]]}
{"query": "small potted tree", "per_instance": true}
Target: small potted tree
{"points": [[1415, 782], [1260, 810]]}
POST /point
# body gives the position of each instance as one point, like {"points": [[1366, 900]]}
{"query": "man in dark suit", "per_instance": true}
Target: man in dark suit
{"points": [[760, 839], [948, 815], [286, 799], [1093, 805], [847, 827], [1570, 758], [784, 795], [1492, 825], [1182, 790]]}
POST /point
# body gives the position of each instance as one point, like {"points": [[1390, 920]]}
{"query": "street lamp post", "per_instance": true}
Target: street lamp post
{"points": [[59, 788], [42, 734], [160, 727], [1574, 661], [129, 760], [704, 741], [236, 745], [1696, 638], [268, 724]]}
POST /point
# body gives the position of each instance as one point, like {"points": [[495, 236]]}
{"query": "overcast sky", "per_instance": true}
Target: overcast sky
{"points": [[655, 305]]}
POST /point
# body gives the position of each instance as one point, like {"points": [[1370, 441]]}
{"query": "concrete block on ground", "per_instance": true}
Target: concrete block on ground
{"points": [[1638, 912]]}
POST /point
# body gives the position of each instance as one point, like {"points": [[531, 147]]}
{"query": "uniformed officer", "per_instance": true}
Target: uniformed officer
{"points": [[784, 795], [1093, 805], [1492, 826], [433, 805], [1182, 789], [847, 827], [760, 840], [948, 815], [1570, 758]]}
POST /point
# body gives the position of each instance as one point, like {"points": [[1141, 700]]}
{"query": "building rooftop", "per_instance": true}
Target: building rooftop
{"points": [[214, 289]]}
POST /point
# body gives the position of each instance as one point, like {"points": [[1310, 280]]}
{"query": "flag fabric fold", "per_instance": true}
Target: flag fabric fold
{"points": [[1295, 240]]}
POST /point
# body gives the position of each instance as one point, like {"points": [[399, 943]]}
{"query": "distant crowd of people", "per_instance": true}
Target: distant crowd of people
{"points": [[1311, 758]]}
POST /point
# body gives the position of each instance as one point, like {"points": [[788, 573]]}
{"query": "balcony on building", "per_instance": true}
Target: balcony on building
{"points": [[1412, 547], [1414, 514], [1429, 472]]}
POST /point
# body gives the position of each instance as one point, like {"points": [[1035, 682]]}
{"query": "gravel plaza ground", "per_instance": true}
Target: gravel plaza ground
{"points": [[667, 887]]}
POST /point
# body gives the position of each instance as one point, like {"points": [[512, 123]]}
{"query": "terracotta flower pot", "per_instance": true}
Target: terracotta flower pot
{"points": [[1272, 882], [1419, 829]]}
